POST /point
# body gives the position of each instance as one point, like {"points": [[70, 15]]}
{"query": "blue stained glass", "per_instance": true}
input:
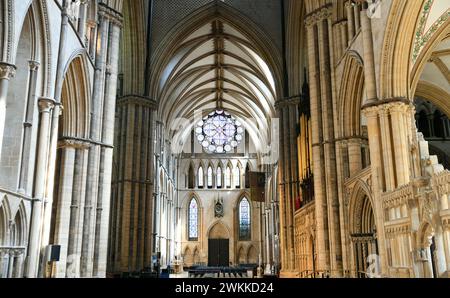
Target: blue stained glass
{"points": [[193, 220], [244, 220]]}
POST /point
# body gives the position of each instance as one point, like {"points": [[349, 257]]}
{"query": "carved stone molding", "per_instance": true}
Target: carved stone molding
{"points": [[46, 104], [321, 14], [75, 144], [7, 71], [138, 100], [113, 16]]}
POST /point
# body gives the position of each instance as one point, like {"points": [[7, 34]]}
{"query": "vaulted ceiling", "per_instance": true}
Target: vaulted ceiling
{"points": [[217, 66]]}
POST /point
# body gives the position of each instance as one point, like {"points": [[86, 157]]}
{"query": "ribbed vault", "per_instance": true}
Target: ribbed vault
{"points": [[217, 66]]}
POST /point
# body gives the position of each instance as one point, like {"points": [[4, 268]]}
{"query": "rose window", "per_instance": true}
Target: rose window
{"points": [[219, 132]]}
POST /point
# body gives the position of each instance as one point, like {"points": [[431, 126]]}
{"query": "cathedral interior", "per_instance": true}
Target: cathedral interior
{"points": [[290, 138]]}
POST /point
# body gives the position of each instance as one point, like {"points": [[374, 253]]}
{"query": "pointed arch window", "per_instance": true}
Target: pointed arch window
{"points": [[210, 177], [228, 177], [191, 177], [244, 220], [247, 176], [201, 177], [193, 220], [219, 177], [237, 177]]}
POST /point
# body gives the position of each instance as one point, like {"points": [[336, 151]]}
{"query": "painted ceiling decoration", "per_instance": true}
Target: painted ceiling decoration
{"points": [[434, 14], [218, 68]]}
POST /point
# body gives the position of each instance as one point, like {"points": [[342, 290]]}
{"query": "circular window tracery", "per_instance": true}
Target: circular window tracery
{"points": [[219, 132]]}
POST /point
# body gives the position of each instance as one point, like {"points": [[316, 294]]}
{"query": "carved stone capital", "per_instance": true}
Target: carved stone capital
{"points": [[7, 71], [34, 65], [113, 16], [74, 144], [46, 104]]}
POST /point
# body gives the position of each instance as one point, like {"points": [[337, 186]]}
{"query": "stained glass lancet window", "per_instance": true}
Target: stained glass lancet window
{"points": [[193, 220], [219, 177], [210, 177], [244, 220], [228, 177], [201, 177], [237, 177]]}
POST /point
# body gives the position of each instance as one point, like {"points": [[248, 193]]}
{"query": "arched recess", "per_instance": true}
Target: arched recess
{"points": [[193, 216], [30, 56], [18, 238], [71, 159], [362, 228], [351, 96], [188, 257], [219, 230], [252, 255], [243, 215], [217, 55], [241, 256], [76, 100], [435, 94], [132, 51], [191, 176], [4, 219], [407, 44]]}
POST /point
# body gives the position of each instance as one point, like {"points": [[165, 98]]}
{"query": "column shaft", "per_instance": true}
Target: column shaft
{"points": [[34, 249]]}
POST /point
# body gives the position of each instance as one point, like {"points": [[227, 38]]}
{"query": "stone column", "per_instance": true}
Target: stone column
{"points": [[281, 189], [76, 209], [369, 62], [354, 155], [374, 133], [294, 183], [82, 20], [7, 72], [62, 220], [388, 179], [45, 107], [401, 152], [106, 159], [350, 20], [25, 172], [329, 142], [357, 16], [95, 151], [317, 151]]}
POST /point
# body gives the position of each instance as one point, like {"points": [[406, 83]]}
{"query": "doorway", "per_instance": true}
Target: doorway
{"points": [[218, 252]]}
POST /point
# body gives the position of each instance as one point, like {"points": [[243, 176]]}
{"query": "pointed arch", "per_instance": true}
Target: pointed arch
{"points": [[241, 256], [219, 176], [252, 255], [351, 96], [244, 216], [200, 177], [75, 98], [191, 176], [219, 230], [237, 176], [193, 221], [210, 176], [3, 221], [186, 76], [228, 175]]}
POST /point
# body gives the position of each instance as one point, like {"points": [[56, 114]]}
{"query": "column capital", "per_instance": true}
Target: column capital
{"points": [[7, 71], [46, 104], [112, 15], [288, 101], [370, 111], [34, 65], [73, 144], [138, 100], [323, 13]]}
